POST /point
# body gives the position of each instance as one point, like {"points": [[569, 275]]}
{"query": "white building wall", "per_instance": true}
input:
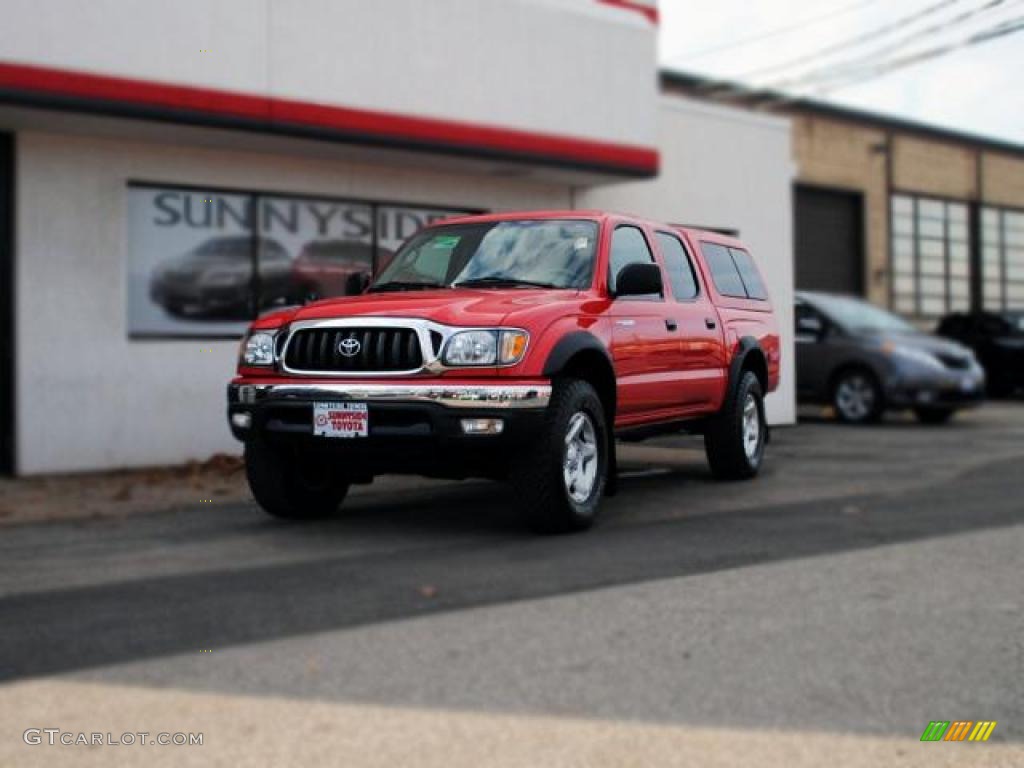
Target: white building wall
{"points": [[731, 169], [88, 397], [575, 68]]}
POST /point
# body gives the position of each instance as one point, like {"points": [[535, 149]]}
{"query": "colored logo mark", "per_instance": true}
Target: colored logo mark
{"points": [[958, 730]]}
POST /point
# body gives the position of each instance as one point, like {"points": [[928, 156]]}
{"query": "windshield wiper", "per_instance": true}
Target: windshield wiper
{"points": [[500, 280], [402, 285]]}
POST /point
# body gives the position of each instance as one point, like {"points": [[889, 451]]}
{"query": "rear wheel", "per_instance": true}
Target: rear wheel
{"points": [[857, 397], [292, 484], [735, 438], [933, 415], [562, 476]]}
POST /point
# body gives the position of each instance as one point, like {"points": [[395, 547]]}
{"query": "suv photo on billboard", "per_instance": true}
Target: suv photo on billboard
{"points": [[515, 347], [214, 279]]}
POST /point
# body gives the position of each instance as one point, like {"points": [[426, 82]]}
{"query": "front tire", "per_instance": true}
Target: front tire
{"points": [[857, 397], [292, 485], [562, 475], [735, 438]]}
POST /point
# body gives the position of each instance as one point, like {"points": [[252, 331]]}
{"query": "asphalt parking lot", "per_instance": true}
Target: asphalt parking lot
{"points": [[869, 582]]}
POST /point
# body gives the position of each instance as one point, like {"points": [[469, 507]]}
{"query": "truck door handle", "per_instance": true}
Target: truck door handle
{"points": [[671, 324], [709, 323]]}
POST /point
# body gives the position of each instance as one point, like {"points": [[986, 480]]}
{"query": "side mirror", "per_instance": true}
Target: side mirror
{"points": [[810, 327], [638, 280]]}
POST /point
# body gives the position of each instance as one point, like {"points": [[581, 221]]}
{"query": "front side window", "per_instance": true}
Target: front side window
{"points": [[629, 246], [542, 253], [680, 270]]}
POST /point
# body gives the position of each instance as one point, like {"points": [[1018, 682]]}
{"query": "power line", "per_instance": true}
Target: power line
{"points": [[822, 75], [1004, 29], [852, 42], [744, 41]]}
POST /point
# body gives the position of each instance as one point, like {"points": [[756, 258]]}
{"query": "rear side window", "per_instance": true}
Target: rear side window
{"points": [[749, 274], [680, 270], [723, 270], [628, 247]]}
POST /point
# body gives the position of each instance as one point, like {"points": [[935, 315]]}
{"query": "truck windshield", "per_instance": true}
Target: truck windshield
{"points": [[551, 253]]}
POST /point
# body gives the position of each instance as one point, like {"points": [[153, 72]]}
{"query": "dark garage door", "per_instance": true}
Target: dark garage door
{"points": [[6, 304], [829, 240]]}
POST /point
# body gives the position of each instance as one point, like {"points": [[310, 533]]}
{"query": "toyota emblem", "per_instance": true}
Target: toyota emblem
{"points": [[349, 347]]}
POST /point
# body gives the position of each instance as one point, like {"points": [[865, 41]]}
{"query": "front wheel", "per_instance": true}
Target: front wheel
{"points": [[292, 484], [735, 438], [857, 397], [562, 475]]}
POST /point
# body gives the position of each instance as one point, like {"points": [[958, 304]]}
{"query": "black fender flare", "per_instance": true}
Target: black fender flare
{"points": [[747, 345], [569, 345]]}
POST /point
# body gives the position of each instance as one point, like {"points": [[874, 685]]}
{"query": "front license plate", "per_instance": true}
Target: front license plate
{"points": [[341, 420]]}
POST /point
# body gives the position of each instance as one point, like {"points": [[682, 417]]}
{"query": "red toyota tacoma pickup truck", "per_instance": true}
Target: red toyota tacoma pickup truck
{"points": [[512, 346]]}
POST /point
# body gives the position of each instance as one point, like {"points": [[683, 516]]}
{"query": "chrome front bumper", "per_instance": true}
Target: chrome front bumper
{"points": [[475, 396]]}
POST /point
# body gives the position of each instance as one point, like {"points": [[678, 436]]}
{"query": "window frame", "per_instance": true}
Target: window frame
{"points": [[711, 272], [918, 240], [1002, 248], [690, 263], [732, 254], [654, 260]]}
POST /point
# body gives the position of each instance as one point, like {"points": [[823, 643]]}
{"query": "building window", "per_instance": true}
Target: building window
{"points": [[203, 263], [930, 269], [1002, 259]]}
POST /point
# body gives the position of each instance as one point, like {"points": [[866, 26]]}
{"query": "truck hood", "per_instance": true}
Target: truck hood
{"points": [[463, 306]]}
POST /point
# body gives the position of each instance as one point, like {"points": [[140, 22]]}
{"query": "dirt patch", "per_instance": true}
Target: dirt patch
{"points": [[217, 480]]}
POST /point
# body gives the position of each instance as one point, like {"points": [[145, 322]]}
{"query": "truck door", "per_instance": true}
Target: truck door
{"points": [[645, 347], [702, 348]]}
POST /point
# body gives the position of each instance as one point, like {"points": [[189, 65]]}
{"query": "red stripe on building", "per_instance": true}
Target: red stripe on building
{"points": [[648, 11], [345, 120]]}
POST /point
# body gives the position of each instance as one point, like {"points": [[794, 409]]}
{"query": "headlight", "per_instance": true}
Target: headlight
{"points": [[497, 347], [259, 349]]}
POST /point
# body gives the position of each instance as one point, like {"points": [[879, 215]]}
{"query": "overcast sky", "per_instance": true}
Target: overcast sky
{"points": [[978, 89]]}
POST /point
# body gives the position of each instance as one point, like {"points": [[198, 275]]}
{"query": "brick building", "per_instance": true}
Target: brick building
{"points": [[916, 217]]}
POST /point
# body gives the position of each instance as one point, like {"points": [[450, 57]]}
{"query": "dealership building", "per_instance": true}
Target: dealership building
{"points": [[150, 148]]}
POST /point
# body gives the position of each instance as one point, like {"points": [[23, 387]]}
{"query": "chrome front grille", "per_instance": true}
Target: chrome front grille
{"points": [[353, 349]]}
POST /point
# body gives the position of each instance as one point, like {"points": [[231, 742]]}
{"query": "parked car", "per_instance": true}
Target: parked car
{"points": [[515, 347], [864, 360], [328, 268], [997, 340], [214, 279]]}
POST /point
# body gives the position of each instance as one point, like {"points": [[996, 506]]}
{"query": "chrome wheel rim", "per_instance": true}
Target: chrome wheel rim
{"points": [[855, 397], [579, 469], [751, 427]]}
